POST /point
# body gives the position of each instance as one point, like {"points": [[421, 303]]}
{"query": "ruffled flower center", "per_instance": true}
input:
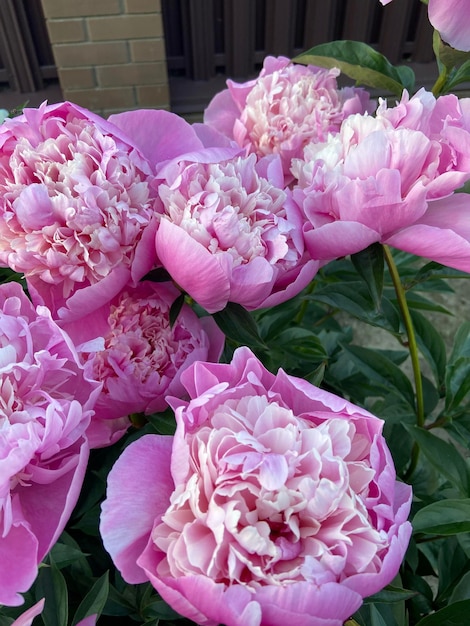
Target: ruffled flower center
{"points": [[228, 207], [271, 498], [140, 342], [290, 107]]}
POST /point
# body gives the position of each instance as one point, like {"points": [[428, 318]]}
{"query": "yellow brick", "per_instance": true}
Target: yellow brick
{"points": [[143, 6], [125, 27], [132, 74], [77, 78], [147, 50], [76, 55], [80, 8], [98, 99], [154, 96], [66, 31]]}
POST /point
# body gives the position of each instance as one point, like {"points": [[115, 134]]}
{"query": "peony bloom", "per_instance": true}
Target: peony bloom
{"points": [[361, 186], [130, 345], [228, 232], [450, 18], [75, 202], [46, 404], [283, 109], [275, 500]]}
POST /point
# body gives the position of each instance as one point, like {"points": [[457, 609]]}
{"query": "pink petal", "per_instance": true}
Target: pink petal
{"points": [[450, 18], [338, 239], [202, 275], [139, 489], [160, 135]]}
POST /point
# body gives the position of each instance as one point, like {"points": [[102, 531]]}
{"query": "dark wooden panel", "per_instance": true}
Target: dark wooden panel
{"points": [[394, 29], [239, 32]]}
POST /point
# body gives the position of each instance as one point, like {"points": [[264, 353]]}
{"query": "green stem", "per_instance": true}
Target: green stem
{"points": [[413, 350], [303, 307], [440, 83]]}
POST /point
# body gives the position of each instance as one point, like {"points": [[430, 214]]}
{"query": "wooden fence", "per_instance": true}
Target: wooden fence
{"points": [[26, 58], [207, 39]]}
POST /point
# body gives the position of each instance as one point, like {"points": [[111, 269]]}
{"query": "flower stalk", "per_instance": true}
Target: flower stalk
{"points": [[412, 347]]}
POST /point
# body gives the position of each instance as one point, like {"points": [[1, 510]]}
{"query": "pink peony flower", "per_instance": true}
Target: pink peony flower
{"points": [[229, 232], [275, 500], [75, 202], [283, 109], [130, 345], [450, 18], [46, 404], [361, 186]]}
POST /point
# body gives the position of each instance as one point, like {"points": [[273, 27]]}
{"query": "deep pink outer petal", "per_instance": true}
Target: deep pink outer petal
{"points": [[201, 599], [450, 18], [139, 489], [192, 267], [338, 239], [160, 135], [222, 113], [304, 604], [443, 246], [19, 550], [48, 507]]}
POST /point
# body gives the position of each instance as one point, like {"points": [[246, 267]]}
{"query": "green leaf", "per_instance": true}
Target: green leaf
{"points": [[302, 343], [51, 586], [362, 63], [237, 324], [448, 56], [390, 595], [369, 263], [379, 368], [458, 368], [443, 456], [446, 517], [453, 615], [431, 345], [461, 590], [64, 555], [175, 309], [95, 600]]}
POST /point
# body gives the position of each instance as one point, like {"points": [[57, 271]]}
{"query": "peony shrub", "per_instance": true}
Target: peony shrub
{"points": [[273, 499]]}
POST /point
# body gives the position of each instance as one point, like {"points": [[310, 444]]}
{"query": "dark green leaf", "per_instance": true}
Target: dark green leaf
{"points": [[51, 586], [362, 63], [431, 344], [64, 555], [237, 324], [379, 368], [175, 309], [453, 615], [446, 517], [158, 275], [461, 590], [95, 600], [443, 456], [391, 595], [369, 263], [458, 369]]}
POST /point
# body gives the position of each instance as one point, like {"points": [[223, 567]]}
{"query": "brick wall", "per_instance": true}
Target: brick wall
{"points": [[110, 54]]}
